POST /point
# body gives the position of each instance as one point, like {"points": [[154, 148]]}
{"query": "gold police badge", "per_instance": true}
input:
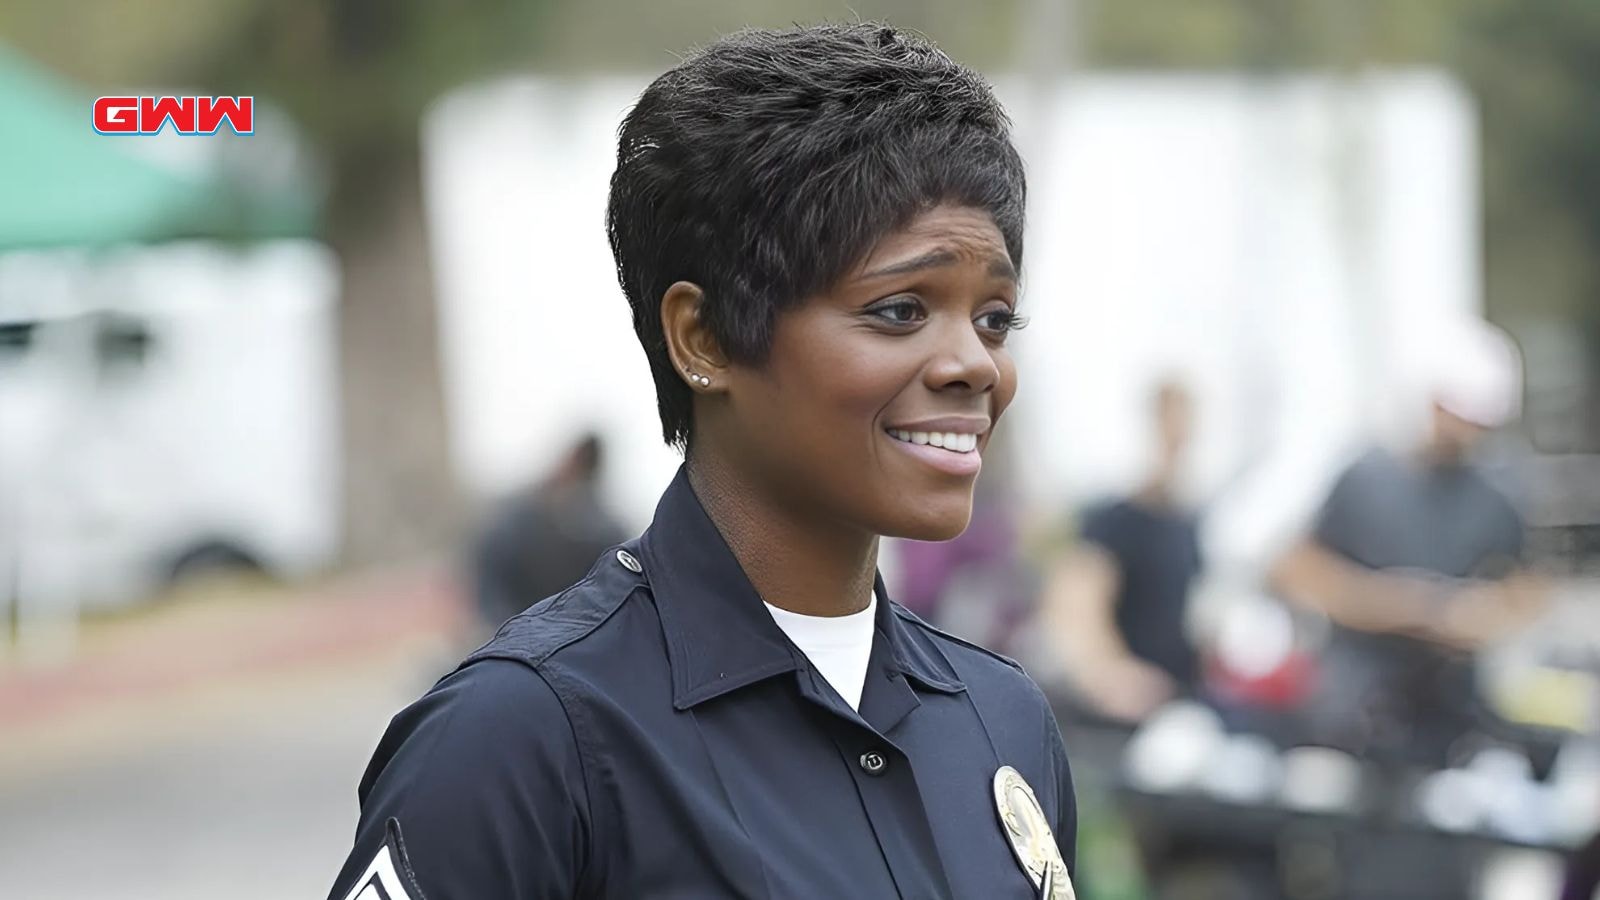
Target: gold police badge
{"points": [[1031, 839]]}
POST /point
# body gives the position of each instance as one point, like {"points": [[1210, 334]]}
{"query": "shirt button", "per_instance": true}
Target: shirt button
{"points": [[873, 763], [628, 562]]}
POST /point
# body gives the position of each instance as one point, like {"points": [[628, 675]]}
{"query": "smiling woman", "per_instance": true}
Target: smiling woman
{"points": [[819, 234]]}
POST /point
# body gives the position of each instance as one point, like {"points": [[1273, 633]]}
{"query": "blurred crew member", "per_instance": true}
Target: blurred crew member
{"points": [[545, 537], [1117, 603], [1418, 561]]}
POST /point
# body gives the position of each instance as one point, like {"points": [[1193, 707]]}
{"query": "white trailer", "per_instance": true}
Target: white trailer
{"points": [[162, 410]]}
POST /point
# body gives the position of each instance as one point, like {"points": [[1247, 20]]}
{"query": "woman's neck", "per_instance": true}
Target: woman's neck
{"points": [[796, 562]]}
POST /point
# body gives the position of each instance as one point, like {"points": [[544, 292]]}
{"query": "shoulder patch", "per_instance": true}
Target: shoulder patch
{"points": [[389, 876], [918, 621]]}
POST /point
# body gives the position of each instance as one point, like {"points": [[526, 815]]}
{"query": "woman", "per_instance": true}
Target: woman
{"points": [[818, 231]]}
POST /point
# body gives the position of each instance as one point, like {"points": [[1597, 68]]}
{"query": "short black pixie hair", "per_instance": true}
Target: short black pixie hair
{"points": [[766, 164]]}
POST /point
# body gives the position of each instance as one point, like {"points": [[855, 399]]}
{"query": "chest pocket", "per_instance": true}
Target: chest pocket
{"points": [[977, 856], [956, 759]]}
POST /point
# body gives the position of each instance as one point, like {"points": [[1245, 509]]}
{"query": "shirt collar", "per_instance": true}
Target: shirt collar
{"points": [[719, 635]]}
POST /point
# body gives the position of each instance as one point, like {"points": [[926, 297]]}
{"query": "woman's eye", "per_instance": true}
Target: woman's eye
{"points": [[899, 312], [1001, 321]]}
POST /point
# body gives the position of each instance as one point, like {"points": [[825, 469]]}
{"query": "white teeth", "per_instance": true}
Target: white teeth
{"points": [[949, 440]]}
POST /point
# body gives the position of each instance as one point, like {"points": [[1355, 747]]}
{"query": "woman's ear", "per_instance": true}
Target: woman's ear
{"points": [[694, 350]]}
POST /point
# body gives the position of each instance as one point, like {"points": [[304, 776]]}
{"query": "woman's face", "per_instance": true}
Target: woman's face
{"points": [[879, 396]]}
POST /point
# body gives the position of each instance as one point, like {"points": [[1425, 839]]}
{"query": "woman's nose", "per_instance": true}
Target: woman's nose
{"points": [[964, 361]]}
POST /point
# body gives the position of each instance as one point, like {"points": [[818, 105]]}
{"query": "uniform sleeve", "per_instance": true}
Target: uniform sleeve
{"points": [[481, 784]]}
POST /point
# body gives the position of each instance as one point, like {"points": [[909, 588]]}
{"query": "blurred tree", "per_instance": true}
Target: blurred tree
{"points": [[1535, 68], [104, 43], [357, 75], [648, 37]]}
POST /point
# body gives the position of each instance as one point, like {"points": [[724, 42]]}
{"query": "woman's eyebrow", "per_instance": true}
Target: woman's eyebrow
{"points": [[930, 260], [1000, 267]]}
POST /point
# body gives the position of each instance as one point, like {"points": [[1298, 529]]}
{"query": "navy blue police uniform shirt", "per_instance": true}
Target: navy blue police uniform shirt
{"points": [[652, 733]]}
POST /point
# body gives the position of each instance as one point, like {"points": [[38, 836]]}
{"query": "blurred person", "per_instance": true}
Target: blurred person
{"points": [[1582, 880], [545, 536], [819, 232], [929, 567], [1417, 560], [1116, 604], [974, 585]]}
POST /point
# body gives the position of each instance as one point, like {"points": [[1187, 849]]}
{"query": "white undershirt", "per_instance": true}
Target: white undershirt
{"points": [[838, 646]]}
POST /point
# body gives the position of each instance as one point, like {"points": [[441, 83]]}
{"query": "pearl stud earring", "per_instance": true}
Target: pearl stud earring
{"points": [[702, 380]]}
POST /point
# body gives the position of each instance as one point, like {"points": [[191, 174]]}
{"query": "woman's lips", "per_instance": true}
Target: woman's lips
{"points": [[950, 461]]}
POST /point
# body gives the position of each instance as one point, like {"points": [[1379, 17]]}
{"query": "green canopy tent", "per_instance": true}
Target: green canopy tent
{"points": [[63, 184]]}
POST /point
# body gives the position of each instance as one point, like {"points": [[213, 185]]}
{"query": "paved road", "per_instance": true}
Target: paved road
{"points": [[244, 789]]}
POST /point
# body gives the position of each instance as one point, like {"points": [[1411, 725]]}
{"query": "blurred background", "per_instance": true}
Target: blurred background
{"points": [[1297, 517]]}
